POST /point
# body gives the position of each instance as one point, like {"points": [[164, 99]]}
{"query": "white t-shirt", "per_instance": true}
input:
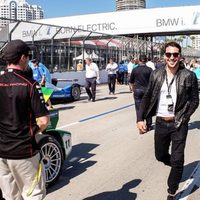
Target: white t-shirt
{"points": [[91, 70], [162, 110], [151, 65], [111, 68]]}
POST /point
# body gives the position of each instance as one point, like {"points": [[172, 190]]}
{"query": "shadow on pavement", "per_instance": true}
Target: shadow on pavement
{"points": [[106, 98], [126, 92], [75, 165], [121, 194], [101, 99], [194, 125], [188, 170], [65, 108]]}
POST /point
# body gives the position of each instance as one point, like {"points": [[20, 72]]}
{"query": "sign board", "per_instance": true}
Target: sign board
{"points": [[140, 21]]}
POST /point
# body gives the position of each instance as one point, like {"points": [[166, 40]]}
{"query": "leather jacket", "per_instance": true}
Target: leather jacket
{"points": [[187, 95]]}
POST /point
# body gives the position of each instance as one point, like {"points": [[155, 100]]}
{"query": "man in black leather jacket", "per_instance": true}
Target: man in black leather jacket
{"points": [[172, 95]]}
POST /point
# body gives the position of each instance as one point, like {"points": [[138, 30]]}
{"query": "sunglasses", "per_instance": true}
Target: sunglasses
{"points": [[168, 55]]}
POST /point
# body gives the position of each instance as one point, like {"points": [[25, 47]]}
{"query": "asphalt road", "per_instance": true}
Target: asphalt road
{"points": [[110, 160]]}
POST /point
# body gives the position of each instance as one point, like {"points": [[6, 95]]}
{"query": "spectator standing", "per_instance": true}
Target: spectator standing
{"points": [[125, 65], [159, 64], [121, 73], [111, 68], [79, 66], [21, 104], [172, 95], [42, 75], [193, 64], [139, 80], [38, 73], [150, 64], [135, 63], [185, 62], [130, 68], [92, 76]]}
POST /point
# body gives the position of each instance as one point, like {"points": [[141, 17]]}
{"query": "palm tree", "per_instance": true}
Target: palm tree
{"points": [[192, 37]]}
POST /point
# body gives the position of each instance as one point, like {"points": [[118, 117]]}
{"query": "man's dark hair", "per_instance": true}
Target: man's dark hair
{"points": [[143, 58], [172, 44], [34, 61], [112, 59]]}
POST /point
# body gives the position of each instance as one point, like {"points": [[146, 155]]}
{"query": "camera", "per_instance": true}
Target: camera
{"points": [[170, 107]]}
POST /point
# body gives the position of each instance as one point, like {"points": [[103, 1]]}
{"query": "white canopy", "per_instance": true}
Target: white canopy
{"points": [[82, 56], [95, 57]]}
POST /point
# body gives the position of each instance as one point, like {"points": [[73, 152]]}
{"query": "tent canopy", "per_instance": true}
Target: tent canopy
{"points": [[85, 55]]}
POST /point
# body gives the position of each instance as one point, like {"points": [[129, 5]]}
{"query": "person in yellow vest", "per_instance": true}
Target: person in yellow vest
{"points": [[79, 66]]}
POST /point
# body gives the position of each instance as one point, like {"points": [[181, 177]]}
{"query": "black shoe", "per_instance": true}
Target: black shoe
{"points": [[170, 197], [93, 100], [89, 98]]}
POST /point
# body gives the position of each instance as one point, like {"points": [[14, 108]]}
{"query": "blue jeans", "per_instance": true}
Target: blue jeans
{"points": [[166, 134]]}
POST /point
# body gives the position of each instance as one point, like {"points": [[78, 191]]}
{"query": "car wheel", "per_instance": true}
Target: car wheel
{"points": [[52, 158], [75, 92]]}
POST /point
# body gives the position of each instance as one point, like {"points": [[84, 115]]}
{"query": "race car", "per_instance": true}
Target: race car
{"points": [[68, 90], [55, 148]]}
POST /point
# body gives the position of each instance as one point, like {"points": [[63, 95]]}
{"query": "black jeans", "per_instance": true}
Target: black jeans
{"points": [[90, 82], [111, 82], [166, 134], [138, 94]]}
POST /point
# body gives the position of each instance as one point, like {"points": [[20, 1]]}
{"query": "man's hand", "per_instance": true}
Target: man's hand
{"points": [[42, 122], [142, 127]]}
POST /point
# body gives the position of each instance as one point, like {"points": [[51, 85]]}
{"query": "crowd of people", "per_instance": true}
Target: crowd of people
{"points": [[167, 90]]}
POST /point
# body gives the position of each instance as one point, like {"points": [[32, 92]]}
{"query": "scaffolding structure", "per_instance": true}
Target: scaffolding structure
{"points": [[58, 47]]}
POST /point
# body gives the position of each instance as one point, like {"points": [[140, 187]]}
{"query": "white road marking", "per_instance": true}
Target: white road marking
{"points": [[67, 125], [95, 116]]}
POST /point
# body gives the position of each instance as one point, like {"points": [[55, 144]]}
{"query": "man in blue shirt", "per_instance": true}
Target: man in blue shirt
{"points": [[38, 73], [41, 75]]}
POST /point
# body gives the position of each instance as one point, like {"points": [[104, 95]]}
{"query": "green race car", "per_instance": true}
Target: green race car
{"points": [[55, 148]]}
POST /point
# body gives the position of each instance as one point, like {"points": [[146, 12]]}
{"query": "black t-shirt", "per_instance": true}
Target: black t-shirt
{"points": [[140, 76], [21, 102]]}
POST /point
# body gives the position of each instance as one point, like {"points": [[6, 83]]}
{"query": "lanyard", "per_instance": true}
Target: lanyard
{"points": [[169, 85]]}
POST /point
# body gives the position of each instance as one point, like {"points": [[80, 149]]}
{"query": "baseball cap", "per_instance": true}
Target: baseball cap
{"points": [[14, 50]]}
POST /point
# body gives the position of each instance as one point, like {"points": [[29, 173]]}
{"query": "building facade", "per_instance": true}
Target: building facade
{"points": [[20, 10], [195, 41], [130, 4]]}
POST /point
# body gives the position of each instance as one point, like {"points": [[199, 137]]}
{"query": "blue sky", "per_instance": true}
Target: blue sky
{"points": [[60, 8]]}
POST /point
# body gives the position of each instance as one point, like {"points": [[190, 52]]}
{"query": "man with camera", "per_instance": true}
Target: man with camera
{"points": [[172, 95]]}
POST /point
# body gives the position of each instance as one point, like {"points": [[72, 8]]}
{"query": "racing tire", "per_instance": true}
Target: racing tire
{"points": [[52, 158], [75, 92]]}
